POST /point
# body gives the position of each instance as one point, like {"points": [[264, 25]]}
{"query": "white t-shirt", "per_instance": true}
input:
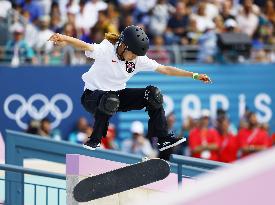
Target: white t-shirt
{"points": [[108, 73], [248, 23], [42, 40]]}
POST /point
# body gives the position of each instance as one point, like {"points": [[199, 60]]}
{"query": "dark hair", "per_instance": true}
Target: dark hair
{"points": [[45, 120]]}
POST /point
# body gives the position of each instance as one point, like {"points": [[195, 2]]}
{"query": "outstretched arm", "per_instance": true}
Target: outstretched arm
{"points": [[62, 40], [173, 71]]}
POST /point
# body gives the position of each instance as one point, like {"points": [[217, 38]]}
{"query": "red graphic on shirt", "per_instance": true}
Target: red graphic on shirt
{"points": [[130, 66]]}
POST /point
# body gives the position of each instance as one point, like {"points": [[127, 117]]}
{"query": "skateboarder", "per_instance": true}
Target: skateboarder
{"points": [[117, 59]]}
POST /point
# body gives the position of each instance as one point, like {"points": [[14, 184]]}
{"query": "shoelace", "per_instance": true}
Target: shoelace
{"points": [[171, 134]]}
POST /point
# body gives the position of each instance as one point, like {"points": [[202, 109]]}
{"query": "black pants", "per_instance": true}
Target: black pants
{"points": [[130, 99]]}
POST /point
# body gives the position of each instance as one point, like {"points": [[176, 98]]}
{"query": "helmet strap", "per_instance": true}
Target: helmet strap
{"points": [[120, 56]]}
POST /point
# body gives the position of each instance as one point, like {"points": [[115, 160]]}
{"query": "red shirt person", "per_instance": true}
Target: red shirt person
{"points": [[273, 139], [253, 139], [229, 143], [108, 142], [204, 142]]}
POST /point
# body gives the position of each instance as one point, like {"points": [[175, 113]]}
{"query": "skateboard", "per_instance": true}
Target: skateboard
{"points": [[120, 180]]}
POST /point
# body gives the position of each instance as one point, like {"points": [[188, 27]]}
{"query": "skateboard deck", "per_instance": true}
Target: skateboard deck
{"points": [[120, 180]]}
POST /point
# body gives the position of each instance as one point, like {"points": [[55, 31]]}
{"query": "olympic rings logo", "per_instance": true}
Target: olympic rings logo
{"points": [[48, 107]]}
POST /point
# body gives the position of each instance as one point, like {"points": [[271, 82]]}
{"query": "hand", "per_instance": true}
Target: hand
{"points": [[204, 78], [58, 39]]}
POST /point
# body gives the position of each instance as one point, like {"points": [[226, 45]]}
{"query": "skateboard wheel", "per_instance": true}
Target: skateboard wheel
{"points": [[145, 159]]}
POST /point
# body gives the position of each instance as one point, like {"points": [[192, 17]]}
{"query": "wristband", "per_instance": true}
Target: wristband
{"points": [[195, 76]]}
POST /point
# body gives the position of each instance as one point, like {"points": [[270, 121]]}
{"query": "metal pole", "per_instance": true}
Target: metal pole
{"points": [[179, 176]]}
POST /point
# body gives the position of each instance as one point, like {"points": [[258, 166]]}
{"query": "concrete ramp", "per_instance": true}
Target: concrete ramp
{"points": [[250, 181], [78, 167]]}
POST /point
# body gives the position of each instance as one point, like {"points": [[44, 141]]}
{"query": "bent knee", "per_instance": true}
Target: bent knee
{"points": [[109, 103], [153, 97]]}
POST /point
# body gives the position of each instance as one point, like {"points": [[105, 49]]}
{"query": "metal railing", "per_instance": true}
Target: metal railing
{"points": [[35, 186], [166, 55], [201, 165]]}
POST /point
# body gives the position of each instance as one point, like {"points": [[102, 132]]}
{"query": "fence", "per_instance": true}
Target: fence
{"points": [[174, 54], [199, 164], [33, 193]]}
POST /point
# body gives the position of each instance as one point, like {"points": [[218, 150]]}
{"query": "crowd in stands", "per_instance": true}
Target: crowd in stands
{"points": [[167, 22], [218, 139]]}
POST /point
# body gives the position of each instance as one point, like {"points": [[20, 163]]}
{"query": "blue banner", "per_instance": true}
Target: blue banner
{"points": [[54, 92], [42, 92], [234, 88]]}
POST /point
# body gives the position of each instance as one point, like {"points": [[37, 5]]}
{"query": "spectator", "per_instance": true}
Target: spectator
{"points": [[219, 24], [42, 44], [202, 21], [229, 143], [45, 128], [226, 11], [262, 36], [47, 131], [82, 131], [88, 38], [244, 119], [204, 142], [189, 124], [193, 34], [182, 25], [5, 6], [222, 114], [252, 139], [68, 51], [212, 9], [127, 6], [94, 36], [90, 13], [113, 15], [160, 17], [17, 50], [273, 139], [208, 44], [230, 25], [66, 6], [104, 24], [159, 53], [269, 11], [177, 24], [138, 144], [33, 127], [71, 15], [69, 30], [55, 16], [45, 5], [108, 142], [259, 54], [143, 9], [128, 20], [30, 30], [247, 19], [82, 18], [34, 9]]}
